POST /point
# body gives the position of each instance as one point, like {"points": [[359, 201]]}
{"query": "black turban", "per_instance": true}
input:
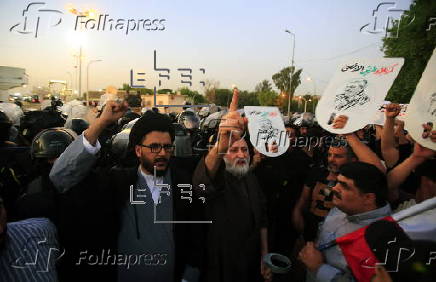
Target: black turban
{"points": [[149, 122]]}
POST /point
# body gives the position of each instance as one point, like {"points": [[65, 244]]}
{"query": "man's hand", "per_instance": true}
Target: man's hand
{"points": [[112, 112], [392, 110], [265, 271], [420, 152], [340, 122], [257, 158], [311, 257], [230, 130], [433, 136], [428, 131], [381, 275], [232, 124]]}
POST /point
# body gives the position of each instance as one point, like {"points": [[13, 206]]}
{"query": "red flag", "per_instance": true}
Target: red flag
{"points": [[359, 256]]}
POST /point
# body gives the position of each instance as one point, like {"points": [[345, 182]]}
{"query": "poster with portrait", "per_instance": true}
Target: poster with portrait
{"points": [[421, 113], [267, 130], [354, 95]]}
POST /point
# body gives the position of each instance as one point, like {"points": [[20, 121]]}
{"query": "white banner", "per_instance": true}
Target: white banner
{"points": [[422, 107], [267, 130], [356, 91]]}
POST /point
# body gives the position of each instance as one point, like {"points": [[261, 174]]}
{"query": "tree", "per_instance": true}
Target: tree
{"points": [[223, 97], [415, 44], [194, 97], [126, 87], [267, 98], [264, 93], [165, 91], [209, 90], [141, 91], [247, 99], [263, 86], [282, 81]]}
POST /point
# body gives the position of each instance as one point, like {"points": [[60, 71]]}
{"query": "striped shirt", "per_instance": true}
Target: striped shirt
{"points": [[30, 252]]}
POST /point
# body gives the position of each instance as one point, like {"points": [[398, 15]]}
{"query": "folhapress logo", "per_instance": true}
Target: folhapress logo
{"points": [[105, 22], [34, 16]]}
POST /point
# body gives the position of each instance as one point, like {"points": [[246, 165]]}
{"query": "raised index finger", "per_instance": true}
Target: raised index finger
{"points": [[235, 98]]}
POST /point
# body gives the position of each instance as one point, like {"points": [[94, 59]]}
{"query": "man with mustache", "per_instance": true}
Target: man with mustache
{"points": [[237, 238], [316, 198], [360, 198], [128, 211]]}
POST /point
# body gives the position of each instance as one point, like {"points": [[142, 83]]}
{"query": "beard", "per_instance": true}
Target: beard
{"points": [[149, 166], [238, 170]]}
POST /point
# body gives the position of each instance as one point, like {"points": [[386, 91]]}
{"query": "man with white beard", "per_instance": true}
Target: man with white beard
{"points": [[237, 238], [237, 159]]}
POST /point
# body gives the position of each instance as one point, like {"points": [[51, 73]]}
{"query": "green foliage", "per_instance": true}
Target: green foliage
{"points": [[415, 44], [263, 86], [265, 95], [165, 91], [142, 91], [247, 99], [193, 96], [267, 98], [126, 87], [223, 97], [282, 80]]}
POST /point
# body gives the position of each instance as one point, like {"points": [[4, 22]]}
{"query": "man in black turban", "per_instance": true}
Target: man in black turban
{"points": [[129, 213]]}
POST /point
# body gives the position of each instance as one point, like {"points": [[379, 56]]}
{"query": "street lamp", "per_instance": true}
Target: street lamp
{"points": [[90, 14], [292, 71], [87, 79], [314, 84]]}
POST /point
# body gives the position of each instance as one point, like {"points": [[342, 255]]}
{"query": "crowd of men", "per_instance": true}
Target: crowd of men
{"points": [[144, 196]]}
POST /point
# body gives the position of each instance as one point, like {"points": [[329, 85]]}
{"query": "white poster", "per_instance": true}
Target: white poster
{"points": [[421, 113], [354, 95], [267, 130]]}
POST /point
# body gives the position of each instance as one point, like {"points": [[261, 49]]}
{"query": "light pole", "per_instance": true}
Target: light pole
{"points": [[71, 80], [80, 71], [305, 102], [90, 14], [313, 100], [292, 71], [87, 80]]}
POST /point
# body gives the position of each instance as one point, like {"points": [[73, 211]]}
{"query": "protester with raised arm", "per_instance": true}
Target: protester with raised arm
{"points": [[237, 237]]}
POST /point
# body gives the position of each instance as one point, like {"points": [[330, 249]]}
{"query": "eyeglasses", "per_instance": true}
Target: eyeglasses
{"points": [[157, 148]]}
